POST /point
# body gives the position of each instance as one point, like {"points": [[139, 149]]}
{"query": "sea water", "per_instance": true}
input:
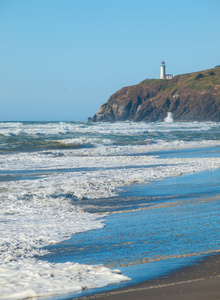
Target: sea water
{"points": [[81, 202]]}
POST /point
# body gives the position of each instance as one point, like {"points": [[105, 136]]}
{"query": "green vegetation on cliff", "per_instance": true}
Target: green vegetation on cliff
{"points": [[203, 80]]}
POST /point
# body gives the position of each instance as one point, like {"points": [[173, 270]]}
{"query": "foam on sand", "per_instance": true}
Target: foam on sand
{"points": [[26, 226], [37, 279]]}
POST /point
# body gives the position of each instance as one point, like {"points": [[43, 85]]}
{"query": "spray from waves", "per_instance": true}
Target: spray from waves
{"points": [[169, 118]]}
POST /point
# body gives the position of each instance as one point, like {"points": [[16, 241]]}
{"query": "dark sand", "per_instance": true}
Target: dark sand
{"points": [[197, 282]]}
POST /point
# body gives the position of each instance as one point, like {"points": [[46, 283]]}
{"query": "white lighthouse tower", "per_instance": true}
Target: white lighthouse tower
{"points": [[162, 71]]}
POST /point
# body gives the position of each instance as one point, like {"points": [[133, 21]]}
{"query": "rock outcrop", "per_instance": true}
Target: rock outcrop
{"points": [[190, 97]]}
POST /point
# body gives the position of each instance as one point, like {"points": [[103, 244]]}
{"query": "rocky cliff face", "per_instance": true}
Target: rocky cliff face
{"points": [[190, 97]]}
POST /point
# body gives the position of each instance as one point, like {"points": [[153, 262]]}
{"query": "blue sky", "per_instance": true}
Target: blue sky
{"points": [[62, 59]]}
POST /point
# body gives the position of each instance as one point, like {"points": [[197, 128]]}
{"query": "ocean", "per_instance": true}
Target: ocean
{"points": [[92, 206]]}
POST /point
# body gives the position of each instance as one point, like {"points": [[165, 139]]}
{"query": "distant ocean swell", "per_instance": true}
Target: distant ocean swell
{"points": [[45, 167]]}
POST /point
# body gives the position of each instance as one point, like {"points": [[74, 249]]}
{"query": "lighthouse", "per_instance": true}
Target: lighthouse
{"points": [[163, 74], [162, 71]]}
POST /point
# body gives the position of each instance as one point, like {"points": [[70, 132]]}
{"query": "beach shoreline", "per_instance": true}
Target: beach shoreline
{"points": [[198, 281]]}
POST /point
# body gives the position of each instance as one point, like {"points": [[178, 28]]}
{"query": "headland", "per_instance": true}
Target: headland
{"points": [[189, 97]]}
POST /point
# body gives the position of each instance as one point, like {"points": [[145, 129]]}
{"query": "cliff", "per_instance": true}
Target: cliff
{"points": [[190, 97]]}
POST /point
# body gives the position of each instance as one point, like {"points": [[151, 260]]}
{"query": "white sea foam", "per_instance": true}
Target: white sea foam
{"points": [[83, 158], [123, 128], [39, 189], [146, 147], [84, 142], [31, 278], [30, 221]]}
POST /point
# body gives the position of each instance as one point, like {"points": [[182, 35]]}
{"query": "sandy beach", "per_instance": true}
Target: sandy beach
{"points": [[200, 281]]}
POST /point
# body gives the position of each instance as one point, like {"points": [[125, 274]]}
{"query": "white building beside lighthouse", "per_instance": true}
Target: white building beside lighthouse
{"points": [[163, 74]]}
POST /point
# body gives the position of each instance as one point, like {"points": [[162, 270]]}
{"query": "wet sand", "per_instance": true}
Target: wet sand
{"points": [[197, 282]]}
